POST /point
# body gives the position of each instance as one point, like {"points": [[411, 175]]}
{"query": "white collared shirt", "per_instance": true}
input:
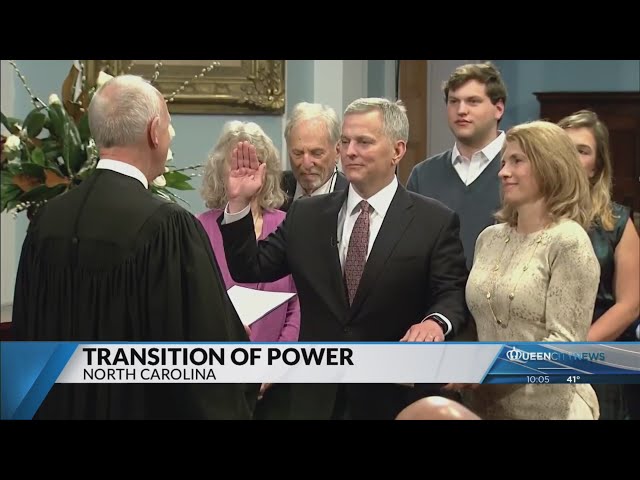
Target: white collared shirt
{"points": [[123, 168], [379, 205], [327, 187], [469, 170]]}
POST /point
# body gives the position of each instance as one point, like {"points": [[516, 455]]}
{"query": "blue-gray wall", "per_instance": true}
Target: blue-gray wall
{"points": [[196, 134], [523, 77], [375, 78]]}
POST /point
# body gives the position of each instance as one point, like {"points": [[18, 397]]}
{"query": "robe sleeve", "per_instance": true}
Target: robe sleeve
{"points": [[187, 301]]}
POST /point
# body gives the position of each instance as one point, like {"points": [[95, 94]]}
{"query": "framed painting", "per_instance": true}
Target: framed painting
{"points": [[251, 87]]}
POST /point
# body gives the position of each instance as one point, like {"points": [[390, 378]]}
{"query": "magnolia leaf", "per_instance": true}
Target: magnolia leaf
{"points": [[69, 83], [54, 178], [6, 178], [55, 169], [8, 193], [42, 192], [68, 86], [73, 152], [37, 157], [175, 177], [59, 119], [10, 124], [14, 169], [49, 144], [83, 129], [181, 186], [5, 122], [33, 170], [26, 183], [34, 122]]}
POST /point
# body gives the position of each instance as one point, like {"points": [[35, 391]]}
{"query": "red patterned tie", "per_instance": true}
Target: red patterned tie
{"points": [[357, 251]]}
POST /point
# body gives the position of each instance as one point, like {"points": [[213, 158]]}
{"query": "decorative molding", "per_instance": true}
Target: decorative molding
{"points": [[251, 87]]}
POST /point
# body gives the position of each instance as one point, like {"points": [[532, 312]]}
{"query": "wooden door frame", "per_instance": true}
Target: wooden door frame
{"points": [[413, 91]]}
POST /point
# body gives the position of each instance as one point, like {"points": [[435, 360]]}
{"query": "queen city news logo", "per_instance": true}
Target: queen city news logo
{"points": [[520, 356]]}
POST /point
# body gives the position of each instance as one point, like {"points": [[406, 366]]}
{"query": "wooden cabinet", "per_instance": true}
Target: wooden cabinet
{"points": [[620, 111]]}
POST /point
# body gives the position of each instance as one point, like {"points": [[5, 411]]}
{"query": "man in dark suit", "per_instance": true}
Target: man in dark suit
{"points": [[372, 263], [108, 261], [312, 134]]}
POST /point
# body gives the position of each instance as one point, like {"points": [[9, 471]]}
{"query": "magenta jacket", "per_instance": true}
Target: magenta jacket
{"points": [[281, 325]]}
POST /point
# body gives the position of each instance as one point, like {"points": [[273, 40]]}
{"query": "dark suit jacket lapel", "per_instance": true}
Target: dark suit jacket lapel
{"points": [[395, 222], [331, 259], [288, 184], [341, 182]]}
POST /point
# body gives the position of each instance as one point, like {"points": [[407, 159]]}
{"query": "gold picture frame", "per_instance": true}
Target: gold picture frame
{"points": [[248, 87]]}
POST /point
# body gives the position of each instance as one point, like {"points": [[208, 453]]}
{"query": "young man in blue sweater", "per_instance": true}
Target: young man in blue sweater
{"points": [[465, 178]]}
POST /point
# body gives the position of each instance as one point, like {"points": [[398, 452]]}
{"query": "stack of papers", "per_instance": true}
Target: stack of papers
{"points": [[252, 305]]}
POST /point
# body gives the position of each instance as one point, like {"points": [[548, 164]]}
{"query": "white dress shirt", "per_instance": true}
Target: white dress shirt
{"points": [[327, 187], [351, 210], [347, 216], [123, 168], [470, 169]]}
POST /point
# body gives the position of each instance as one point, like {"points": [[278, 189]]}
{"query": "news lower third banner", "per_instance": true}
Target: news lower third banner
{"points": [[29, 369]]}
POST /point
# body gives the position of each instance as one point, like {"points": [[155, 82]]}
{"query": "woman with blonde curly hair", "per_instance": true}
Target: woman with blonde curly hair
{"points": [[535, 275], [283, 324], [616, 244]]}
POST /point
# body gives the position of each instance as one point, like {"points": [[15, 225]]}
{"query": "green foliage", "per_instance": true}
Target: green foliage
{"points": [[51, 151]]}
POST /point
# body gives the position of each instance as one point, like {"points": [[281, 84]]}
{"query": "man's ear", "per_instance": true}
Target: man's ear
{"points": [[499, 110], [399, 149], [154, 132]]}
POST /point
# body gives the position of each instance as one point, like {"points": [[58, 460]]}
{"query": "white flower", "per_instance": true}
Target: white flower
{"points": [[172, 132], [12, 144], [160, 181], [54, 99], [102, 79], [169, 155]]}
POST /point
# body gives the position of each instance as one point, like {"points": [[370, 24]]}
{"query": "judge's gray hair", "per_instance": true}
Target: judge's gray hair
{"points": [[120, 111], [395, 124], [307, 111], [216, 170]]}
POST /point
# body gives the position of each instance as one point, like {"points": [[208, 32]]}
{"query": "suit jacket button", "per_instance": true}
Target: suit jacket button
{"points": [[346, 330], [74, 240]]}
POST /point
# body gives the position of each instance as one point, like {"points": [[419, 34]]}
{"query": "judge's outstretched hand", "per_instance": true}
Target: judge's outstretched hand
{"points": [[246, 176]]}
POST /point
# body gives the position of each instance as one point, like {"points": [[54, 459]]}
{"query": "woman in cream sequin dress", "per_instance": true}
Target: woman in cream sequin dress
{"points": [[535, 276]]}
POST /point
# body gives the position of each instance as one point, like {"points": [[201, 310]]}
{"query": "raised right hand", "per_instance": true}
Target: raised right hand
{"points": [[246, 176]]}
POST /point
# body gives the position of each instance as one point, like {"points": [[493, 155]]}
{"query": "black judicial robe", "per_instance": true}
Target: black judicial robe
{"points": [[109, 261]]}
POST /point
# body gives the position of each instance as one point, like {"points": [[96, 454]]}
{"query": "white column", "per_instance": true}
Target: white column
{"points": [[327, 83], [339, 82], [354, 81], [8, 225]]}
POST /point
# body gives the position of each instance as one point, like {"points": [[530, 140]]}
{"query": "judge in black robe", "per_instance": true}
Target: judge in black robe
{"points": [[109, 261]]}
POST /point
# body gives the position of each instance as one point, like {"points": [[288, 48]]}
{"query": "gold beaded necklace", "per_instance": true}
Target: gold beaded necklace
{"points": [[491, 291]]}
